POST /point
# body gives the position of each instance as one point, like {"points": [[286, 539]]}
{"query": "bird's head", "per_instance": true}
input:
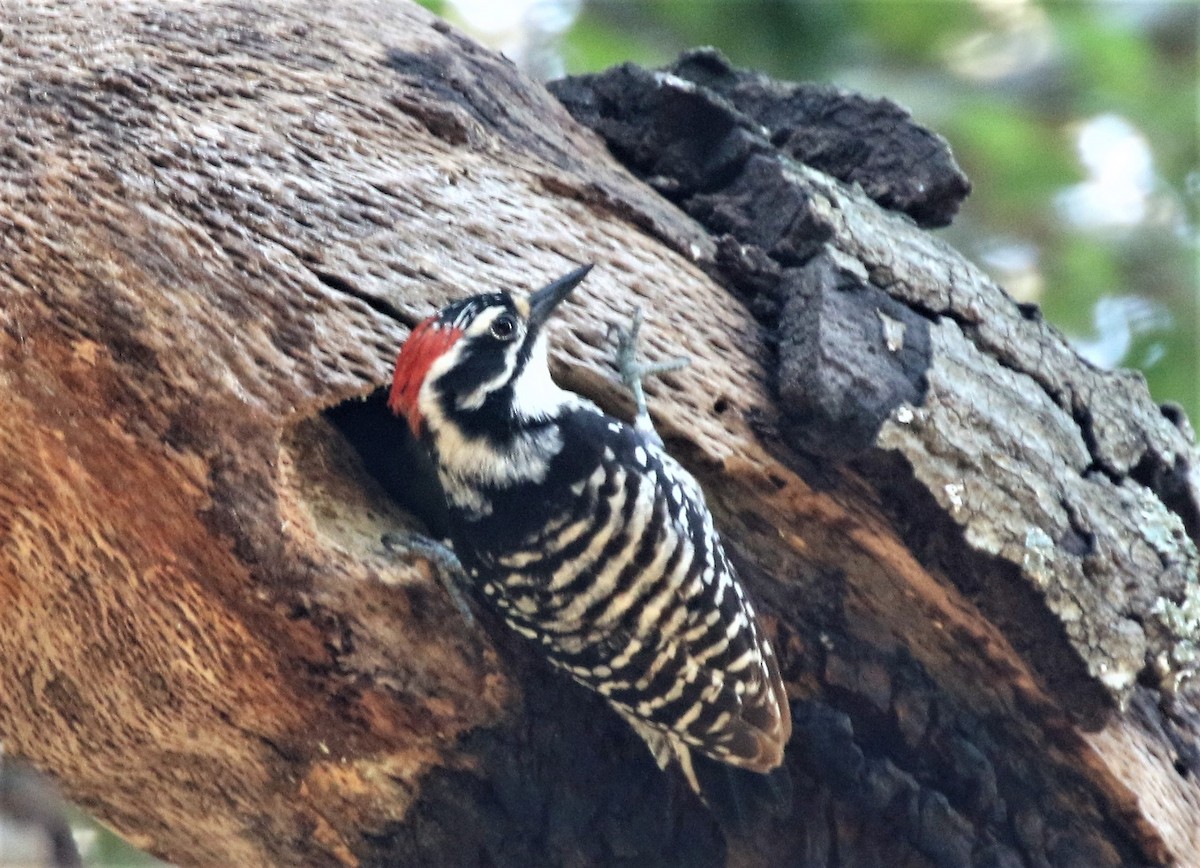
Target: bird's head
{"points": [[480, 363]]}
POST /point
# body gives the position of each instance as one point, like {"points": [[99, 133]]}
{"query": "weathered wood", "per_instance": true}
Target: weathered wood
{"points": [[1056, 499], [216, 223]]}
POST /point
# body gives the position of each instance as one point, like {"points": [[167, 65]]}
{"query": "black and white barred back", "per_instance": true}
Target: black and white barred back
{"points": [[588, 538]]}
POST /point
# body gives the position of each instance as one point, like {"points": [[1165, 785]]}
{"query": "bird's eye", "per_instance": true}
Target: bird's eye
{"points": [[504, 327]]}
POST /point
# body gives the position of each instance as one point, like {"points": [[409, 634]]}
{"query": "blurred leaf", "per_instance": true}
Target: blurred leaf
{"points": [[437, 7], [915, 33]]}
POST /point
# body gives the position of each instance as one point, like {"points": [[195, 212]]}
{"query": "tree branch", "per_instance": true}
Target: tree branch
{"points": [[218, 224]]}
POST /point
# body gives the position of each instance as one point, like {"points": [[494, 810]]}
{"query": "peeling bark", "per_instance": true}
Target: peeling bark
{"points": [[977, 555]]}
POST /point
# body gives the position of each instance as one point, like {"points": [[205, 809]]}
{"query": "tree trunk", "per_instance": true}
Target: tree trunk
{"points": [[976, 554]]}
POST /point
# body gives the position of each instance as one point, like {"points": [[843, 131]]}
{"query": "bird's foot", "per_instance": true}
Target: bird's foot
{"points": [[446, 565], [634, 372]]}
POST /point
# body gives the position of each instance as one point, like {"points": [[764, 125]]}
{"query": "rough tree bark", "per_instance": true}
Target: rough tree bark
{"points": [[977, 554]]}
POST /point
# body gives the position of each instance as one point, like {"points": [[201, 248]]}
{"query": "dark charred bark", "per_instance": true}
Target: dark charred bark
{"points": [[976, 554]]}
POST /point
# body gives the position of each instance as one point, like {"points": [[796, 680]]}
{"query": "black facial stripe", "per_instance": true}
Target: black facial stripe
{"points": [[462, 313], [481, 356]]}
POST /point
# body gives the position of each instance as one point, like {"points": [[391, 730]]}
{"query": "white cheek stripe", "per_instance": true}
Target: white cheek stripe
{"points": [[535, 395]]}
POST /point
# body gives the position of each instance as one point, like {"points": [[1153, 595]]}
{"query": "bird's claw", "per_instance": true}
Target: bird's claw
{"points": [[633, 372], [441, 557]]}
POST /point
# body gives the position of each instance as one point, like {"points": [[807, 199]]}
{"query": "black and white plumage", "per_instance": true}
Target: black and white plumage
{"points": [[588, 538]]}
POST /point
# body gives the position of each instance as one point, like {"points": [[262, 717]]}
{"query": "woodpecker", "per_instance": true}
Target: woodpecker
{"points": [[586, 537]]}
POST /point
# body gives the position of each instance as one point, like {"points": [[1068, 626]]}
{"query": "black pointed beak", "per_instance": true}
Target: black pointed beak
{"points": [[543, 302]]}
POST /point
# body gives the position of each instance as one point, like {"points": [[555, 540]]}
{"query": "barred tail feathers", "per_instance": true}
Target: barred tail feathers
{"points": [[738, 797]]}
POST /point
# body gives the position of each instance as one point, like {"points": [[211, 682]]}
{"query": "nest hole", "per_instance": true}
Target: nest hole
{"points": [[392, 456]]}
